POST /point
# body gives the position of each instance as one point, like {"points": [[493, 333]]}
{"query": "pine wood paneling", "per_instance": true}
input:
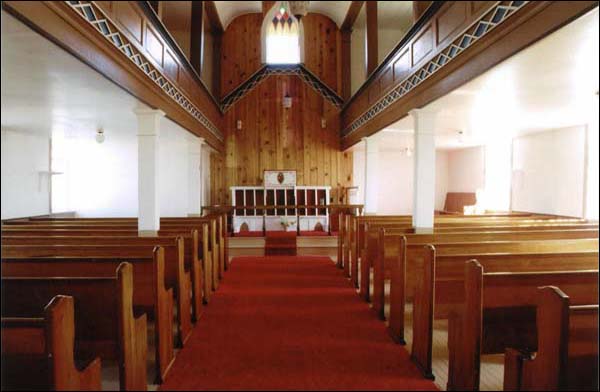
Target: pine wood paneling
{"points": [[275, 138], [241, 50]]}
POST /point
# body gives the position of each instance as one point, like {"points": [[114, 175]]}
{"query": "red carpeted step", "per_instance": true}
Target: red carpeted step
{"points": [[290, 323], [280, 243]]}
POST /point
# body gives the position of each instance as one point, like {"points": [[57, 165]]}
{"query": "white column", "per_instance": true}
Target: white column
{"points": [[371, 175], [424, 170], [205, 174], [148, 170], [195, 176]]}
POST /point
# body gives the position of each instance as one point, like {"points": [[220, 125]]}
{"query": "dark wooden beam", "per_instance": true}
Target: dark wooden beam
{"points": [[213, 17], [216, 69], [346, 61], [371, 50], [197, 36], [351, 15], [266, 6], [419, 8]]}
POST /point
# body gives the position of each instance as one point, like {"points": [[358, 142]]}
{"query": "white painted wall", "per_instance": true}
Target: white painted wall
{"points": [[100, 180], [548, 172], [395, 190], [466, 169], [24, 191], [441, 178], [173, 163]]}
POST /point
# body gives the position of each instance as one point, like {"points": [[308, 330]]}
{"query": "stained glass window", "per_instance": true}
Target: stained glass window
{"points": [[281, 34]]}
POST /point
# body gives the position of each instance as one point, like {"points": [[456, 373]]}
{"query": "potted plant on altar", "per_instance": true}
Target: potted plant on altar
{"points": [[285, 223]]}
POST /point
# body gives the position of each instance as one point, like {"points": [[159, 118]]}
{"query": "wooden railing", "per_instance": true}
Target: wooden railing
{"points": [[453, 42], [127, 43]]}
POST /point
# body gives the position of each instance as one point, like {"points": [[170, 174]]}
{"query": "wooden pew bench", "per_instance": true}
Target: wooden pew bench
{"points": [[405, 246], [182, 225], [499, 311], [190, 275], [567, 353], [439, 289], [197, 245], [151, 294], [38, 351]]}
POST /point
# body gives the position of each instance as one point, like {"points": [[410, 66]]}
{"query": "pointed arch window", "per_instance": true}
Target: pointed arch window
{"points": [[282, 36]]}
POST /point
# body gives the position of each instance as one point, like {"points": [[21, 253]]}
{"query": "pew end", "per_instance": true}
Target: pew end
{"points": [[38, 353]]}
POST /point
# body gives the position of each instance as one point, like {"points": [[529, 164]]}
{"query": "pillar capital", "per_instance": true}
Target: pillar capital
{"points": [[148, 121]]}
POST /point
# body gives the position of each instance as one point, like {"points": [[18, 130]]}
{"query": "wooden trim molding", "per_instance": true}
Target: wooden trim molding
{"points": [[267, 70], [351, 15], [446, 53], [96, 17]]}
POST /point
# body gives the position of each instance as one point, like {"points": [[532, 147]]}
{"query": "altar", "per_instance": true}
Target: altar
{"points": [[280, 205]]}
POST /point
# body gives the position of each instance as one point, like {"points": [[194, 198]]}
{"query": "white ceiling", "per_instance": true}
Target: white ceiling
{"points": [[228, 10], [47, 91], [552, 84]]}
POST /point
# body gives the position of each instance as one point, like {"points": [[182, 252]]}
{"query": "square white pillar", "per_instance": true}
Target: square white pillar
{"points": [[424, 171], [195, 176], [148, 170], [371, 175]]}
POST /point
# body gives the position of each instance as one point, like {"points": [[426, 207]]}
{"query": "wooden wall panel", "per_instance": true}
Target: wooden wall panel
{"points": [[241, 50], [275, 138], [240, 54]]}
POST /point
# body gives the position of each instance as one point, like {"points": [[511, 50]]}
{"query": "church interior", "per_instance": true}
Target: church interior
{"points": [[299, 195]]}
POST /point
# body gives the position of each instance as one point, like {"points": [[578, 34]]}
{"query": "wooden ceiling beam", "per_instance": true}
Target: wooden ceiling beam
{"points": [[197, 36], [213, 17], [351, 15], [371, 47]]}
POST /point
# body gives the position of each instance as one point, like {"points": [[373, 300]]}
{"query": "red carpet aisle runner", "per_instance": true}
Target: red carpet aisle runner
{"points": [[290, 323], [280, 243]]}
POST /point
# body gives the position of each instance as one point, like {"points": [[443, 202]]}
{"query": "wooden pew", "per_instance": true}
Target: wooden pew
{"points": [[567, 347], [38, 351], [440, 282], [391, 246], [216, 242], [179, 274], [104, 321], [499, 312], [150, 291], [371, 252], [176, 275], [199, 248]]}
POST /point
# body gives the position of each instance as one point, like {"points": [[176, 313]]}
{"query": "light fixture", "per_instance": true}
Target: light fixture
{"points": [[100, 136], [409, 152], [238, 125], [461, 139], [299, 8], [287, 101], [323, 122]]}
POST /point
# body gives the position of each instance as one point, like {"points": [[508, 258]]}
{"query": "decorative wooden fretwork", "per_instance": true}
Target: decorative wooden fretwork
{"points": [[95, 17], [497, 14], [268, 70]]}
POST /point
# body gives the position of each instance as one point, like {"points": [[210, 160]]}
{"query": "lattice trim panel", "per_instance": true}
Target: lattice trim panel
{"points": [[497, 14], [268, 70], [95, 17]]}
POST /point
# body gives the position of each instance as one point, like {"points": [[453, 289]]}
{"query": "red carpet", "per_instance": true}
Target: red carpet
{"points": [[280, 243], [290, 323]]}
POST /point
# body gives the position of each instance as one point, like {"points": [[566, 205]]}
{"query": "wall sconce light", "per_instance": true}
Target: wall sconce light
{"points": [[287, 101], [100, 136], [238, 125], [409, 152], [323, 122], [461, 138]]}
